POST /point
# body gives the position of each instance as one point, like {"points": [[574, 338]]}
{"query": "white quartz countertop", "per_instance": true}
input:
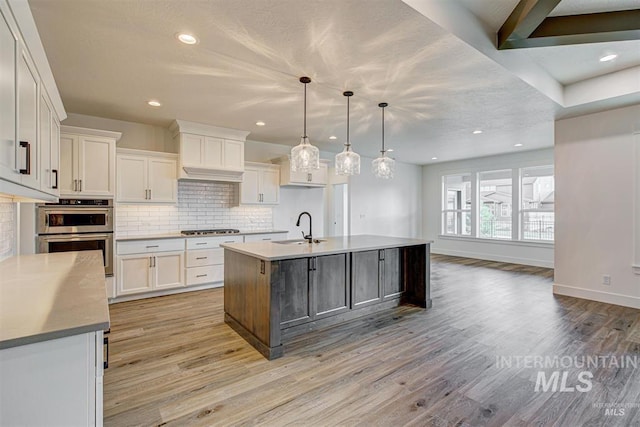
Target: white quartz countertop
{"points": [[270, 251], [177, 235], [49, 296]]}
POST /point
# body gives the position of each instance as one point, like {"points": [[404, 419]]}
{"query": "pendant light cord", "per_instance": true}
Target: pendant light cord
{"points": [[348, 143], [383, 130], [305, 111]]}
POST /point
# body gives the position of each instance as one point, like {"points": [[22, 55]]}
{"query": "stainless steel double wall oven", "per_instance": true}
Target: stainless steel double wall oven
{"points": [[77, 225]]}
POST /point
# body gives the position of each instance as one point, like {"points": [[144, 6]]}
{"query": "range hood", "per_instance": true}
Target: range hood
{"points": [[209, 153]]}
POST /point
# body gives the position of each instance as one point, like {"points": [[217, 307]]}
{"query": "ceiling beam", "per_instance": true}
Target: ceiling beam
{"points": [[601, 27], [523, 21]]}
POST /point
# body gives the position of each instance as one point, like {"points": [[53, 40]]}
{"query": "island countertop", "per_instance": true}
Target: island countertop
{"points": [[50, 296], [270, 251]]}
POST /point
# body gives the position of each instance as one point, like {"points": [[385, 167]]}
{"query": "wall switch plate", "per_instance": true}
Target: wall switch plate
{"points": [[606, 280]]}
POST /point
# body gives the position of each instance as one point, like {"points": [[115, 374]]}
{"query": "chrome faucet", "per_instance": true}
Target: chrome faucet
{"points": [[308, 237]]}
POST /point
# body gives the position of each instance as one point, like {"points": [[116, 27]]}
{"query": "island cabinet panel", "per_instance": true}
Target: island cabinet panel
{"points": [[392, 285], [366, 278], [330, 285], [295, 304]]}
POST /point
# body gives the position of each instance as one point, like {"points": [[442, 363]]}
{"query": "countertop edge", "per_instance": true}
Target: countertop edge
{"points": [[48, 336], [180, 236], [326, 252]]}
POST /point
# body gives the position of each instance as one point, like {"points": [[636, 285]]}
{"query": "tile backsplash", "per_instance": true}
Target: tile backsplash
{"points": [[200, 205], [8, 228]]}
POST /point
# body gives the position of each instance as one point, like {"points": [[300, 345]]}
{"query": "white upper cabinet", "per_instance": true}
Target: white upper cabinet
{"points": [[87, 162], [30, 109], [316, 178], [209, 152], [261, 184], [146, 177]]}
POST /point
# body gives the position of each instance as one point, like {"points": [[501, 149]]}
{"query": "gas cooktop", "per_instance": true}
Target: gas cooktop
{"points": [[207, 232]]}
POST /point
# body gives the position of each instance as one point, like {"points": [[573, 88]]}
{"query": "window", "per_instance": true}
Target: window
{"points": [[495, 204], [509, 204], [456, 213], [537, 195]]}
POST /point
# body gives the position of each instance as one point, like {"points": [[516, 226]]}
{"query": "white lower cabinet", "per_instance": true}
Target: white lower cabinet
{"points": [[53, 383], [149, 265], [205, 259]]}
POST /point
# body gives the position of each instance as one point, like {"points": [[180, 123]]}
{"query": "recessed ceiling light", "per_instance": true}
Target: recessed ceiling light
{"points": [[434, 158], [260, 123], [609, 57], [154, 103], [517, 145], [477, 132], [333, 137], [187, 38]]}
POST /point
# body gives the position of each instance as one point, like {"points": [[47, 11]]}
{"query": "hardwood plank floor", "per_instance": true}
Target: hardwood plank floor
{"points": [[174, 362]]}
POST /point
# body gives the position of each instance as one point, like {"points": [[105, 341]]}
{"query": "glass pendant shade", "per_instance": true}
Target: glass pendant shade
{"points": [[304, 156], [347, 162], [383, 167]]}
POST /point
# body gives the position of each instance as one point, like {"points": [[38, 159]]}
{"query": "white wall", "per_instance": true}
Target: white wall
{"points": [[386, 207], [134, 135], [595, 184], [539, 254]]}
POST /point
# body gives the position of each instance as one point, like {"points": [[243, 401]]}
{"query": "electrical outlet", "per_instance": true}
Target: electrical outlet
{"points": [[606, 280]]}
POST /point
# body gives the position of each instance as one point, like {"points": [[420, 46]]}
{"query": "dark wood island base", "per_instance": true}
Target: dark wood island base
{"points": [[269, 301]]}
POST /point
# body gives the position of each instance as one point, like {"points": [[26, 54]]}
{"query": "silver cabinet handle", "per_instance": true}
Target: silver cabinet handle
{"points": [[154, 261], [202, 257], [309, 177], [75, 185], [80, 181], [201, 275], [202, 243], [153, 246], [149, 194], [150, 261], [229, 241]]}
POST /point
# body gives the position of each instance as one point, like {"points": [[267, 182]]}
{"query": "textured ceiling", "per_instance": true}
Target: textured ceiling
{"points": [[110, 57]]}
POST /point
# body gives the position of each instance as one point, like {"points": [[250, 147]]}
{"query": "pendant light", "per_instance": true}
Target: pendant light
{"points": [[304, 156], [347, 162], [383, 166]]}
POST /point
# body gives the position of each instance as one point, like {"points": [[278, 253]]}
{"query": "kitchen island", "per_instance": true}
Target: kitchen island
{"points": [[274, 291]]}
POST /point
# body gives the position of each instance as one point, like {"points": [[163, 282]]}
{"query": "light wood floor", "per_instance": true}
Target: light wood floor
{"points": [[174, 362]]}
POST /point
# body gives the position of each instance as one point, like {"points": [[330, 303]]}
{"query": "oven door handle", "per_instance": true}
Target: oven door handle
{"points": [[75, 237]]}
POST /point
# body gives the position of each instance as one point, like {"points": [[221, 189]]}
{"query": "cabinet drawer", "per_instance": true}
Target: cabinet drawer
{"points": [[148, 246], [211, 242], [265, 237], [198, 258], [207, 274]]}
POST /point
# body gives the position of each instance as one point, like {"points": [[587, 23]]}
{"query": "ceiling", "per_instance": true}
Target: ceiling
{"points": [[110, 57]]}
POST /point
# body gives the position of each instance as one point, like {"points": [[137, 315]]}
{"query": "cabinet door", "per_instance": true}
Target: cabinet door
{"points": [[300, 177], [131, 183], [365, 278], [391, 279], [28, 121], [295, 301], [134, 274], [191, 149], [47, 179], [330, 285], [233, 155], [68, 164], [163, 183], [250, 188], [270, 188], [54, 154], [321, 176], [168, 270], [96, 163], [8, 146], [213, 153]]}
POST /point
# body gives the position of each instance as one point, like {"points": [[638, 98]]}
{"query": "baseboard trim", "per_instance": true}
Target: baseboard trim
{"points": [[487, 257], [606, 297], [164, 292]]}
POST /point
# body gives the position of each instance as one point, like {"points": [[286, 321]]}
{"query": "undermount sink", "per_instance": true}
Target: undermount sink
{"points": [[298, 241]]}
